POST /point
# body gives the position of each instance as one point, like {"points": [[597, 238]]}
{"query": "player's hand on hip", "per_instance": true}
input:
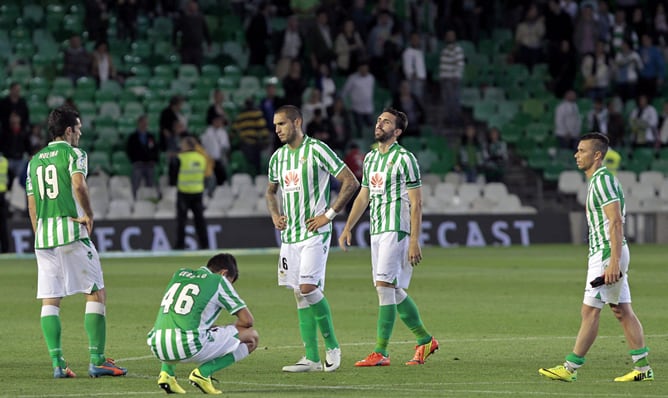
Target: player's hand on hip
{"points": [[280, 222], [85, 220], [345, 240], [314, 223]]}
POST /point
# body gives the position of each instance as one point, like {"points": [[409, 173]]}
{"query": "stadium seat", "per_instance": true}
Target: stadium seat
{"points": [[119, 209], [534, 107], [570, 181], [188, 73], [99, 161], [109, 109], [143, 209], [494, 190]]}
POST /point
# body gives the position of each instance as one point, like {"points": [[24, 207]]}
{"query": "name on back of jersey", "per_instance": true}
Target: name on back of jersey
{"points": [[188, 274], [47, 155]]}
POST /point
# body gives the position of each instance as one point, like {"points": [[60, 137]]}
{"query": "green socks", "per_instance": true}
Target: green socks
{"points": [[51, 330], [410, 316], [96, 325], [323, 317], [169, 368], [208, 368], [573, 361], [308, 329], [639, 357], [387, 314]]}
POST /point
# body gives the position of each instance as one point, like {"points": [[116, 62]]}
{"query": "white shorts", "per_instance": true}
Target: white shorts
{"points": [[66, 270], [389, 259], [304, 263], [607, 294], [218, 342]]}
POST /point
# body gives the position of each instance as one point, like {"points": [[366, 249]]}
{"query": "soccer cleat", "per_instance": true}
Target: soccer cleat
{"points": [[205, 384], [169, 384], [304, 365], [636, 375], [560, 373], [374, 359], [60, 373], [332, 359], [422, 352], [107, 368]]}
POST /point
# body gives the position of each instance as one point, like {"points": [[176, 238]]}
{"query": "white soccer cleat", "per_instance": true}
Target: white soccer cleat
{"points": [[303, 365], [332, 359]]}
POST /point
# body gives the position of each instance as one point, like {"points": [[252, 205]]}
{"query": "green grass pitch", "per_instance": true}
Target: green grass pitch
{"points": [[499, 313]]}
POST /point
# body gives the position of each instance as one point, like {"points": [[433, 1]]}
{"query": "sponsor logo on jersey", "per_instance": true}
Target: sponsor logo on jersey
{"points": [[291, 181], [377, 183]]}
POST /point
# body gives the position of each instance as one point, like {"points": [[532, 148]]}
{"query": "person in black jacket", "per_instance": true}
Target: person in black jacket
{"points": [[194, 32], [143, 151]]}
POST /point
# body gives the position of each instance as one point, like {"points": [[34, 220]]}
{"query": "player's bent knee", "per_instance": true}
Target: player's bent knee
{"points": [[250, 337]]}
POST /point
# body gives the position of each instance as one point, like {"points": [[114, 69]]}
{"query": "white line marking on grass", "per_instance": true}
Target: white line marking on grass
{"points": [[445, 341], [97, 394]]}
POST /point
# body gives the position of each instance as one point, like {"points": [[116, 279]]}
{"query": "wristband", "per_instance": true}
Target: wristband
{"points": [[330, 214]]}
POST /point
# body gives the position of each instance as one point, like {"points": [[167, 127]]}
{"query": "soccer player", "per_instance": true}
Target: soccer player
{"points": [[302, 169], [609, 257], [184, 330], [391, 187], [67, 261]]}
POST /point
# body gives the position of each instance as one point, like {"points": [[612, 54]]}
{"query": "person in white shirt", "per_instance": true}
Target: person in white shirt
{"points": [[644, 122], [414, 67], [567, 121], [216, 142], [358, 89]]}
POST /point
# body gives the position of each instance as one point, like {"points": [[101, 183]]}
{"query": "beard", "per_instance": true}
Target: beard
{"points": [[384, 136]]}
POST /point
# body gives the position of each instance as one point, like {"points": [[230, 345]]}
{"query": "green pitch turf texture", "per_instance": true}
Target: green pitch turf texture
{"points": [[499, 314]]}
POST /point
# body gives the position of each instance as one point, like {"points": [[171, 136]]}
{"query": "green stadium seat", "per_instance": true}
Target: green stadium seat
{"points": [[413, 144], [211, 71], [483, 110], [22, 74], [132, 110], [33, 14], [163, 71], [537, 132], [534, 107], [436, 143], [140, 71], [470, 96], [99, 161], [188, 73], [87, 108]]}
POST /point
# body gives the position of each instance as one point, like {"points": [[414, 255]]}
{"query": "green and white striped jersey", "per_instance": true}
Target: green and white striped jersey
{"points": [[603, 189], [303, 175], [389, 176], [191, 304], [50, 183]]}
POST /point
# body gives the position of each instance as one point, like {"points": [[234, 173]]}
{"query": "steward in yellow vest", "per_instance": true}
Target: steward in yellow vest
{"points": [[192, 167]]}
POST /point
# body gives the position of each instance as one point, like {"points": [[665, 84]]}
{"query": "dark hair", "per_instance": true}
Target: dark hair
{"points": [[601, 141], [223, 261], [402, 120], [175, 99], [60, 119], [291, 112]]}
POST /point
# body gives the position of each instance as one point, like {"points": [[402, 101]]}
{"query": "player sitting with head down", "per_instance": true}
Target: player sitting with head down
{"points": [[184, 330]]}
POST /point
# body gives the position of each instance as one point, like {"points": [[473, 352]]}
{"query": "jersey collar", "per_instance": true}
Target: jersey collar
{"points": [[598, 171]]}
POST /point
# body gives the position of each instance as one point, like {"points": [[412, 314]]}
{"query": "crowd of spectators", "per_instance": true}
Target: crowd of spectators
{"points": [[333, 58]]}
